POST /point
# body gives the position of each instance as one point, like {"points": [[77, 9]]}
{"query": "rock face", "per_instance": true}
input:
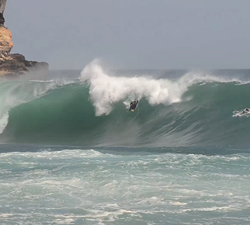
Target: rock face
{"points": [[2, 8], [2, 20], [14, 64], [6, 43]]}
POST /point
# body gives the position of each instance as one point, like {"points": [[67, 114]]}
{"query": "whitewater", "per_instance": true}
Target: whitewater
{"points": [[72, 153]]}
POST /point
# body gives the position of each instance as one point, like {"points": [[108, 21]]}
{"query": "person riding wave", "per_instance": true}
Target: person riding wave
{"points": [[133, 105], [246, 110]]}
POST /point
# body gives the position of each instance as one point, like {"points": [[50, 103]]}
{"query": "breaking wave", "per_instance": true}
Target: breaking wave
{"points": [[193, 110]]}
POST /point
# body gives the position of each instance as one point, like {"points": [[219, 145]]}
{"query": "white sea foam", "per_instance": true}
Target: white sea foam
{"points": [[63, 154], [3, 122], [59, 187], [239, 113], [105, 90]]}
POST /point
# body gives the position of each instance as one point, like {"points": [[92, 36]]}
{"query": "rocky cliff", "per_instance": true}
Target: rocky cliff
{"points": [[14, 64], [6, 43]]}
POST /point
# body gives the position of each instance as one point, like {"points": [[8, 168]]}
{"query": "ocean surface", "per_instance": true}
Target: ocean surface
{"points": [[72, 153]]}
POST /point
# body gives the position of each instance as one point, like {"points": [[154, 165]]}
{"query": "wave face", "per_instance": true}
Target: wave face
{"points": [[193, 110]]}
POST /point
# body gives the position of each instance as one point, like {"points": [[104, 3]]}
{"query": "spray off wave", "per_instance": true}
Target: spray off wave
{"points": [[106, 90], [193, 110]]}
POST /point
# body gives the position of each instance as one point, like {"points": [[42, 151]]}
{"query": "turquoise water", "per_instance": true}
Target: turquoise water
{"points": [[72, 153], [79, 186]]}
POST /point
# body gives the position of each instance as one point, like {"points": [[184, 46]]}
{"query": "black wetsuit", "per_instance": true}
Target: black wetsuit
{"points": [[133, 105]]}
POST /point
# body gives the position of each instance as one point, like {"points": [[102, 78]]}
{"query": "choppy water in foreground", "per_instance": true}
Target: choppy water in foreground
{"points": [[120, 187]]}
